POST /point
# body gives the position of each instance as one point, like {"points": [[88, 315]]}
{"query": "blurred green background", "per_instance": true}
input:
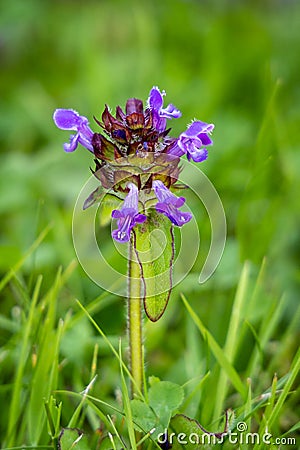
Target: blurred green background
{"points": [[232, 63]]}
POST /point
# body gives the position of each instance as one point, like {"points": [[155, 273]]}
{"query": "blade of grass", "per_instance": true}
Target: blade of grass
{"points": [[286, 339], [73, 422], [248, 405], [60, 281], [265, 332], [126, 404], [194, 362], [99, 303], [100, 331], [15, 409], [115, 430], [51, 425], [232, 339], [30, 447], [264, 424], [191, 396], [217, 351], [27, 254], [91, 403], [45, 370], [295, 368], [257, 403]]}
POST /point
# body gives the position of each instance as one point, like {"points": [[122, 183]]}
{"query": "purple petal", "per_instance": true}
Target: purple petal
{"points": [[168, 204], [176, 216], [116, 214], [128, 216], [194, 138], [175, 150], [164, 194], [170, 112], [155, 103], [199, 155], [73, 143], [189, 145], [198, 127], [139, 218], [159, 123], [155, 100], [126, 221], [85, 139], [205, 139], [122, 233], [132, 199], [68, 119]]}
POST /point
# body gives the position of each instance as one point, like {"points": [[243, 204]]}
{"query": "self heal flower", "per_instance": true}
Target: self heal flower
{"points": [[128, 216], [134, 153], [160, 114], [168, 204], [193, 140], [68, 119]]}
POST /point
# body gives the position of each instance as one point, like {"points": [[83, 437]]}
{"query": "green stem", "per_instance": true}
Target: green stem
{"points": [[135, 322]]}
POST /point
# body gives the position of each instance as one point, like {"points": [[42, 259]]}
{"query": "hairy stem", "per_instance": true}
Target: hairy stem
{"points": [[135, 322]]}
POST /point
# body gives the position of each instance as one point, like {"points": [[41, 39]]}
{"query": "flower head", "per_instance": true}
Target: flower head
{"points": [[68, 119], [128, 216], [168, 204], [135, 155]]}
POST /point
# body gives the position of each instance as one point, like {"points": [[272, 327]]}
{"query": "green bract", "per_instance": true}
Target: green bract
{"points": [[154, 247]]}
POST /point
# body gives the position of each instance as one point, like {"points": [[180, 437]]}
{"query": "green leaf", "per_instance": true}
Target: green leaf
{"points": [[94, 197], [72, 439], [185, 430], [188, 434], [108, 204], [164, 398], [144, 417], [106, 444], [154, 246]]}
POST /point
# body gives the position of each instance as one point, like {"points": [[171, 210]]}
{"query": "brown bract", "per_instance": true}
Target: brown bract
{"points": [[131, 149]]}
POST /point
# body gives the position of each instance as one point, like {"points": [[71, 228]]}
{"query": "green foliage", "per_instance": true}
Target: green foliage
{"points": [[164, 398], [70, 439], [189, 434]]}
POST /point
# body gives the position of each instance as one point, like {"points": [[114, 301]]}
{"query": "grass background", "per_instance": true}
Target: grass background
{"points": [[233, 63]]}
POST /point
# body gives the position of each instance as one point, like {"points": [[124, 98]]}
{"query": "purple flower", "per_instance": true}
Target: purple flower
{"points": [[168, 204], [68, 119], [160, 114], [128, 216], [192, 141], [132, 143]]}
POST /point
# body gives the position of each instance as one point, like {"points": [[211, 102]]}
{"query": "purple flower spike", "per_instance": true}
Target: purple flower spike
{"points": [[128, 216], [192, 141], [168, 204], [155, 103], [68, 119]]}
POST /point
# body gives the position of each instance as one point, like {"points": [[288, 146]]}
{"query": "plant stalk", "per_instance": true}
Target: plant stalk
{"points": [[135, 333]]}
